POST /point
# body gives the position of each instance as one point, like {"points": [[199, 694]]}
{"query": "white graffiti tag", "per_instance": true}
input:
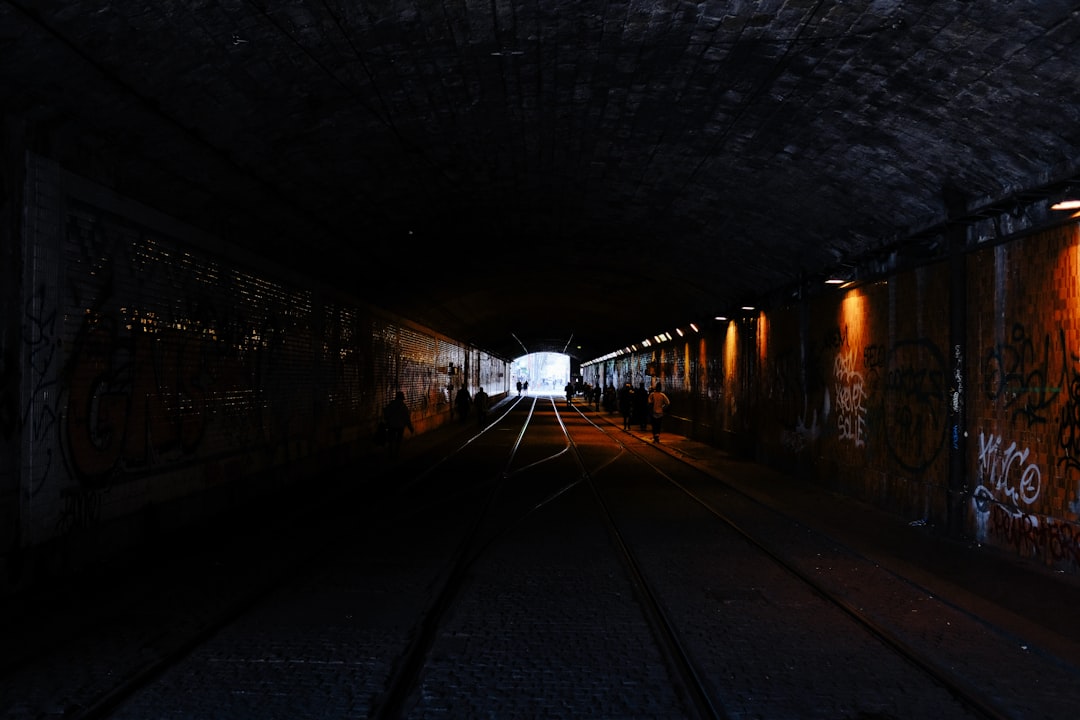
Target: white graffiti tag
{"points": [[850, 394], [1006, 473]]}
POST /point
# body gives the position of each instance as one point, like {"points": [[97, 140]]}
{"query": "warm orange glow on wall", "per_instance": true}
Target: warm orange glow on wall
{"points": [[1066, 281], [703, 363], [762, 338], [853, 318], [731, 348], [687, 375]]}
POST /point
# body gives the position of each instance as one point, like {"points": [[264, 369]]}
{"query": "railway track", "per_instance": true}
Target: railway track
{"points": [[553, 566], [961, 701]]}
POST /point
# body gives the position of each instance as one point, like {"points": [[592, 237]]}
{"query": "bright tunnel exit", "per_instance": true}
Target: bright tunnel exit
{"points": [[543, 373]]}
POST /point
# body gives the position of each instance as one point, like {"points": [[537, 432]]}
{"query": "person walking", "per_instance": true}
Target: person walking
{"points": [[462, 403], [658, 403], [397, 417], [569, 390], [626, 404], [480, 403], [641, 406]]}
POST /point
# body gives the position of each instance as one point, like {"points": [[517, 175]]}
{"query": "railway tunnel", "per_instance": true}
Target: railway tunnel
{"points": [[838, 237]]}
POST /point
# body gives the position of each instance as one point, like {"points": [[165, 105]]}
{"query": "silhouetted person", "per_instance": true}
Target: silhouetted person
{"points": [[658, 402], [397, 417], [626, 404], [480, 402], [519, 388], [462, 403], [641, 406], [569, 393]]}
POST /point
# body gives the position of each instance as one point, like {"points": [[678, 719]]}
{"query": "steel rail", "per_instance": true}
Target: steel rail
{"points": [[688, 677], [956, 686], [390, 705]]}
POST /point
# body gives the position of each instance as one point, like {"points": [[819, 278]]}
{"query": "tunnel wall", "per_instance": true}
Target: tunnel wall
{"points": [[947, 393], [155, 377]]}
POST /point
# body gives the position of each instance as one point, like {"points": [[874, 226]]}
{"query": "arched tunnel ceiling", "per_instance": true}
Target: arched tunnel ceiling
{"points": [[551, 174]]}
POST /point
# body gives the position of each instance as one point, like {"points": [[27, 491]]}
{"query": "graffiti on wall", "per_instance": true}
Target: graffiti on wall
{"points": [[901, 389], [1069, 425], [40, 414], [172, 358], [916, 402], [1005, 475], [1036, 381], [810, 415], [136, 398], [1017, 374], [81, 509], [851, 396], [1030, 536]]}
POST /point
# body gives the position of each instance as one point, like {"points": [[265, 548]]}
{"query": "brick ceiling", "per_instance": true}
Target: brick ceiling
{"points": [[552, 174]]}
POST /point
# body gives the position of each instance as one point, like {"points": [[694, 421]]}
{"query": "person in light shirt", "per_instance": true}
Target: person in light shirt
{"points": [[658, 402]]}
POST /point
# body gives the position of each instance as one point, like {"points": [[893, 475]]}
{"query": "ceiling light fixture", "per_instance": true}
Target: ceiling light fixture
{"points": [[1068, 203]]}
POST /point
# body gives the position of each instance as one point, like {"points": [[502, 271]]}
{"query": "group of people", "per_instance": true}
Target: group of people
{"points": [[638, 406], [644, 408], [464, 403], [397, 418], [593, 395]]}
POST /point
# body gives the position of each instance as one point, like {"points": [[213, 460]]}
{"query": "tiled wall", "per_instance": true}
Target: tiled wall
{"points": [[948, 394], [1023, 450]]}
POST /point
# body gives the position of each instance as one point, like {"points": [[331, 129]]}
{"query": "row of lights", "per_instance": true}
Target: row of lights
{"points": [[841, 282], [667, 336], [1067, 203], [744, 308]]}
